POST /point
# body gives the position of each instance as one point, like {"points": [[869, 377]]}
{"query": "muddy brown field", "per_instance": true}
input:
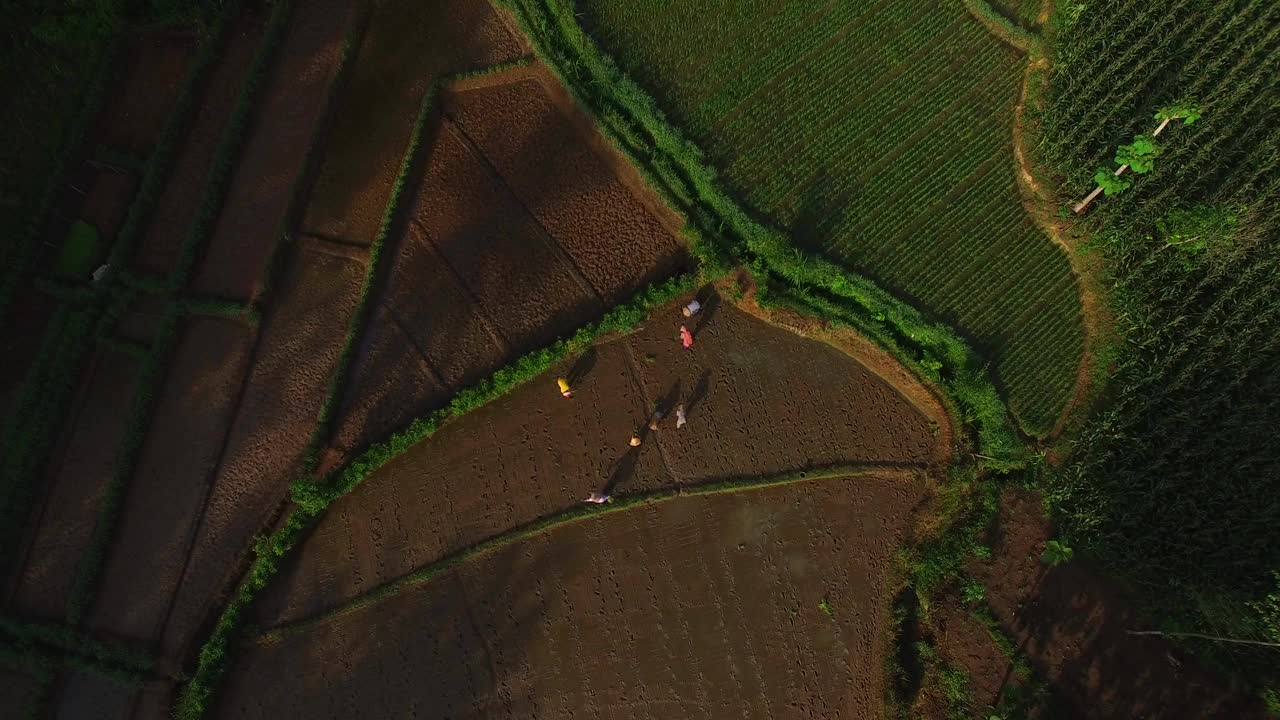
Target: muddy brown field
{"points": [[78, 480], [149, 77], [407, 46], [167, 490], [1070, 623], [215, 104], [760, 400], [701, 607], [285, 125]]}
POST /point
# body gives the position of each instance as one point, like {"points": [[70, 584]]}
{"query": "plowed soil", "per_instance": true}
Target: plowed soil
{"points": [[184, 189], [526, 227], [297, 354], [89, 696], [578, 189], [760, 400], [1070, 621], [272, 161], [702, 607], [149, 77], [168, 488], [92, 442], [407, 46]]}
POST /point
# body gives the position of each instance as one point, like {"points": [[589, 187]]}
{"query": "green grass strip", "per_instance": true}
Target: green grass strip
{"points": [[66, 640], [1004, 28], [577, 513]]}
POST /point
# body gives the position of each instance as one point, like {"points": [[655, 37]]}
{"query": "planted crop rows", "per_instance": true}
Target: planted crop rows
{"points": [[879, 134]]}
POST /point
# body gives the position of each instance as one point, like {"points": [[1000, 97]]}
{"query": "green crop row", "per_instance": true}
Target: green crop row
{"points": [[313, 496], [64, 640]]}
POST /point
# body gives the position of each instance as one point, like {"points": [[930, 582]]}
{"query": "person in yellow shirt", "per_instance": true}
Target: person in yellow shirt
{"points": [[564, 387]]}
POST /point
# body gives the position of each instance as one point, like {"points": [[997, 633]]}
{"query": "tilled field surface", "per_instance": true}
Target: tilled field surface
{"points": [[760, 400], [525, 227], [701, 607]]}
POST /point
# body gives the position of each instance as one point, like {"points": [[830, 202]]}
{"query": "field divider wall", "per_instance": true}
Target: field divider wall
{"points": [[677, 168], [574, 514]]}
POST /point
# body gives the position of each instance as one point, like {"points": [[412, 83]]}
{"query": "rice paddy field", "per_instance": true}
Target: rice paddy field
{"points": [[880, 134]]}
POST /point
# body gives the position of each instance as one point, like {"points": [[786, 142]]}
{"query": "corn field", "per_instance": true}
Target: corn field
{"points": [[880, 134], [1176, 481]]}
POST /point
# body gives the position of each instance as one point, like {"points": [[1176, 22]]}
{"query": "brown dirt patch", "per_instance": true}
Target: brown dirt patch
{"points": [[89, 696], [96, 194], [169, 485], [770, 402], [155, 701], [79, 477], [297, 353], [148, 78], [141, 321], [407, 46], [184, 189], [531, 132], [1070, 621], [702, 607], [966, 644], [271, 163]]}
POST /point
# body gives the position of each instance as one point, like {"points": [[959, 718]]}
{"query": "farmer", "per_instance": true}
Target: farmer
{"points": [[564, 387], [635, 439], [653, 421], [686, 337], [680, 418], [598, 498], [692, 308]]}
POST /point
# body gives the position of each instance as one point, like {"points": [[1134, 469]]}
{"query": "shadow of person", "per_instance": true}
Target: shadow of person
{"points": [[623, 469], [582, 366], [710, 304], [700, 389]]}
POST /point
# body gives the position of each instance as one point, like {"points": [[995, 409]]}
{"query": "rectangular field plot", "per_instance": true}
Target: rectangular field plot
{"points": [[407, 45], [297, 353], [79, 478], [253, 215], [880, 134], [184, 189], [147, 80], [701, 607], [167, 492]]}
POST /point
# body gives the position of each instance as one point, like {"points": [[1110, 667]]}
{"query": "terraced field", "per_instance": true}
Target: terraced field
{"points": [[879, 134]]}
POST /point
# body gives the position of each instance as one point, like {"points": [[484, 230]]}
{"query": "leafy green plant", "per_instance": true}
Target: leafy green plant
{"points": [[1187, 111], [1198, 229], [1111, 183], [1056, 553], [1140, 155], [825, 606], [972, 592], [79, 250]]}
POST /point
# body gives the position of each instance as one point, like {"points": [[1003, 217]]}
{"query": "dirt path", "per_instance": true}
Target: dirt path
{"points": [[1041, 203]]}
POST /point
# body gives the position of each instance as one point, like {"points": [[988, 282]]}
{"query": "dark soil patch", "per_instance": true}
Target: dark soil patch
{"points": [[533, 452], [579, 190], [702, 607], [297, 353], [90, 696], [79, 477], [168, 488], [18, 691], [20, 343], [407, 46], [141, 321], [184, 190], [294, 96], [1070, 621], [149, 77]]}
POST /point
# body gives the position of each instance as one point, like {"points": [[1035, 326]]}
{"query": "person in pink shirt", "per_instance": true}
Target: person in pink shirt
{"points": [[686, 337]]}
